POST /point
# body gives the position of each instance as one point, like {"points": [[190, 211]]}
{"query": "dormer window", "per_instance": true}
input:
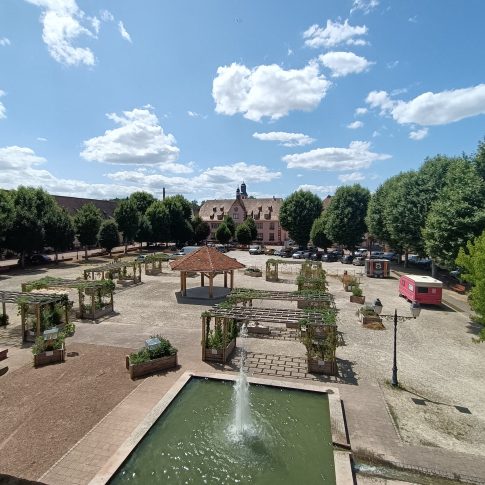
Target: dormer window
{"points": [[214, 209]]}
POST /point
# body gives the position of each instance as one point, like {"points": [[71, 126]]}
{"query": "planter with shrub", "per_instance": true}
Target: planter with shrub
{"points": [[357, 296], [368, 316], [154, 358], [49, 351], [253, 271]]}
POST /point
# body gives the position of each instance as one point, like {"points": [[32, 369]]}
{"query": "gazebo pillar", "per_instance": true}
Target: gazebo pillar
{"points": [[202, 279], [211, 284], [225, 279], [232, 279]]}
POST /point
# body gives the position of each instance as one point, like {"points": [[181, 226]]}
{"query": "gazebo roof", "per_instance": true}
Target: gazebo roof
{"points": [[206, 259]]}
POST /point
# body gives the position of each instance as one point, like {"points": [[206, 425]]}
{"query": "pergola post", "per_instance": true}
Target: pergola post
{"points": [[185, 283], [22, 318], [37, 313], [81, 306], [66, 313], [202, 282], [112, 303], [93, 302]]}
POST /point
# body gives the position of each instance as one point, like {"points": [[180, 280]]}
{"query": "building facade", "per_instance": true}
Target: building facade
{"points": [[265, 213]]}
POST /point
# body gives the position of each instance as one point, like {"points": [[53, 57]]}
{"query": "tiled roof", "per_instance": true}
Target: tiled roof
{"points": [[73, 204], [206, 259], [261, 209], [213, 208]]}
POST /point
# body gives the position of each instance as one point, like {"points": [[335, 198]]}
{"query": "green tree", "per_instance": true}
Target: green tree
{"points": [[201, 229], [31, 208], [59, 230], [318, 235], [144, 233], [223, 234], [252, 227], [472, 260], [243, 234], [457, 215], [128, 219], [179, 216], [142, 201], [159, 219], [479, 158], [297, 214], [229, 222], [346, 215], [6, 214], [87, 222], [108, 236]]}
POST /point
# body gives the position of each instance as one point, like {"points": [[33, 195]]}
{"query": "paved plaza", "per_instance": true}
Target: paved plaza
{"points": [[435, 422]]}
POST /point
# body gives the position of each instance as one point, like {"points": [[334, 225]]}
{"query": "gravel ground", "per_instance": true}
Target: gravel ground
{"points": [[45, 411], [437, 362]]}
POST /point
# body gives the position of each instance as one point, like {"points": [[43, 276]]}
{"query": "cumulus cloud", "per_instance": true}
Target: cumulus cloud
{"points": [[351, 177], [364, 6], [356, 156], [335, 33], [344, 63], [319, 189], [418, 134], [123, 32], [360, 111], [355, 124], [139, 139], [267, 90], [194, 114], [62, 22], [429, 108], [106, 16], [4, 41], [285, 139], [3, 111]]}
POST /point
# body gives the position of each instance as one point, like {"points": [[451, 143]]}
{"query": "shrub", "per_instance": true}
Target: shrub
{"points": [[3, 320], [367, 311], [42, 345], [356, 290], [163, 349]]}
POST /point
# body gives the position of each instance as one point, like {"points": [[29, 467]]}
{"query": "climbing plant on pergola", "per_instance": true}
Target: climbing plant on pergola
{"points": [[272, 267], [38, 311], [154, 263], [312, 277], [98, 292], [121, 270]]}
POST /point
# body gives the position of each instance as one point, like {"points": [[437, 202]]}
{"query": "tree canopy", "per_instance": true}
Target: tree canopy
{"points": [[159, 218], [252, 227], [128, 219], [109, 236], [297, 214], [223, 234], [201, 229], [229, 222], [346, 215], [142, 201], [318, 235], [243, 234], [59, 230], [87, 221]]}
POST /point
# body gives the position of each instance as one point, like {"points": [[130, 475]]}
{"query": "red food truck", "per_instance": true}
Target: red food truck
{"points": [[422, 289]]}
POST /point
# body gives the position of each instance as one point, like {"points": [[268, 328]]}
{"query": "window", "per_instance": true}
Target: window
{"points": [[236, 209], [422, 289], [271, 236], [235, 216], [271, 226], [259, 225], [260, 236]]}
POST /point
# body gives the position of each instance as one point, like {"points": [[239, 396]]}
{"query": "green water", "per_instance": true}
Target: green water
{"points": [[193, 443]]}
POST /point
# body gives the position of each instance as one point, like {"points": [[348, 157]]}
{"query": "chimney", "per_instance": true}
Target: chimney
{"points": [[163, 193]]}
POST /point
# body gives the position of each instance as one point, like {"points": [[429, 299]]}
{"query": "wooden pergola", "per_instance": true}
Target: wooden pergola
{"points": [[272, 267], [118, 269], [33, 304], [209, 262], [94, 289], [314, 299], [154, 263]]}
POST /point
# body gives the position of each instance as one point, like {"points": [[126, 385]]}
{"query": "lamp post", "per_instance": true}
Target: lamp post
{"points": [[415, 311]]}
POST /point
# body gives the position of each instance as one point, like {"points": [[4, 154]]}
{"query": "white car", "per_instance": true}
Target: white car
{"points": [[255, 249]]}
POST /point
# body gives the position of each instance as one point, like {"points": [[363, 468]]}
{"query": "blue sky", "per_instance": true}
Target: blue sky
{"points": [[101, 98]]}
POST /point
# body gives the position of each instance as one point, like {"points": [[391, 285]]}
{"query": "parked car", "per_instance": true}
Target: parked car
{"points": [[377, 254], [359, 261], [36, 259], [390, 256], [347, 259], [255, 249], [330, 257], [140, 258], [221, 248], [298, 255], [361, 252], [317, 255], [424, 263], [286, 253]]}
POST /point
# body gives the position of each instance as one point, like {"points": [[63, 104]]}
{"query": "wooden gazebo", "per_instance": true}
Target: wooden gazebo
{"points": [[209, 262]]}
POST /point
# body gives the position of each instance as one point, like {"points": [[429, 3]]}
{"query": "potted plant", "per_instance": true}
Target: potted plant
{"points": [[253, 271], [320, 350], [160, 355], [3, 320], [49, 351], [368, 315], [215, 350], [349, 282], [357, 296]]}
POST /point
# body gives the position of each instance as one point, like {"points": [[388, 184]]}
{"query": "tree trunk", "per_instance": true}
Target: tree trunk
{"points": [[57, 257], [406, 254], [434, 269], [126, 248], [85, 252], [22, 259]]}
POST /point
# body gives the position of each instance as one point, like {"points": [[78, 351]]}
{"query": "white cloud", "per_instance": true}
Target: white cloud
{"points": [[194, 114], [123, 32], [360, 111], [355, 125], [418, 134], [351, 177], [62, 26], [413, 19], [290, 52], [41, 138], [139, 139], [364, 5], [299, 175], [319, 189], [4, 41], [3, 111], [375, 134], [356, 156], [267, 90], [96, 24], [392, 64], [344, 63], [429, 108], [106, 16], [285, 139], [334, 34]]}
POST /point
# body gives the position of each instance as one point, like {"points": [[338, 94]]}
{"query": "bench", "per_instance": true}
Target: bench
{"points": [[461, 289]]}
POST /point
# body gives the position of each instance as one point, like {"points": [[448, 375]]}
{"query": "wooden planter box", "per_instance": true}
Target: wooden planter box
{"points": [[50, 357], [155, 365], [292, 325], [258, 330], [128, 281], [3, 354], [347, 287], [302, 304], [215, 355], [255, 274], [370, 319], [317, 366], [271, 278], [153, 272], [102, 312], [357, 299]]}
